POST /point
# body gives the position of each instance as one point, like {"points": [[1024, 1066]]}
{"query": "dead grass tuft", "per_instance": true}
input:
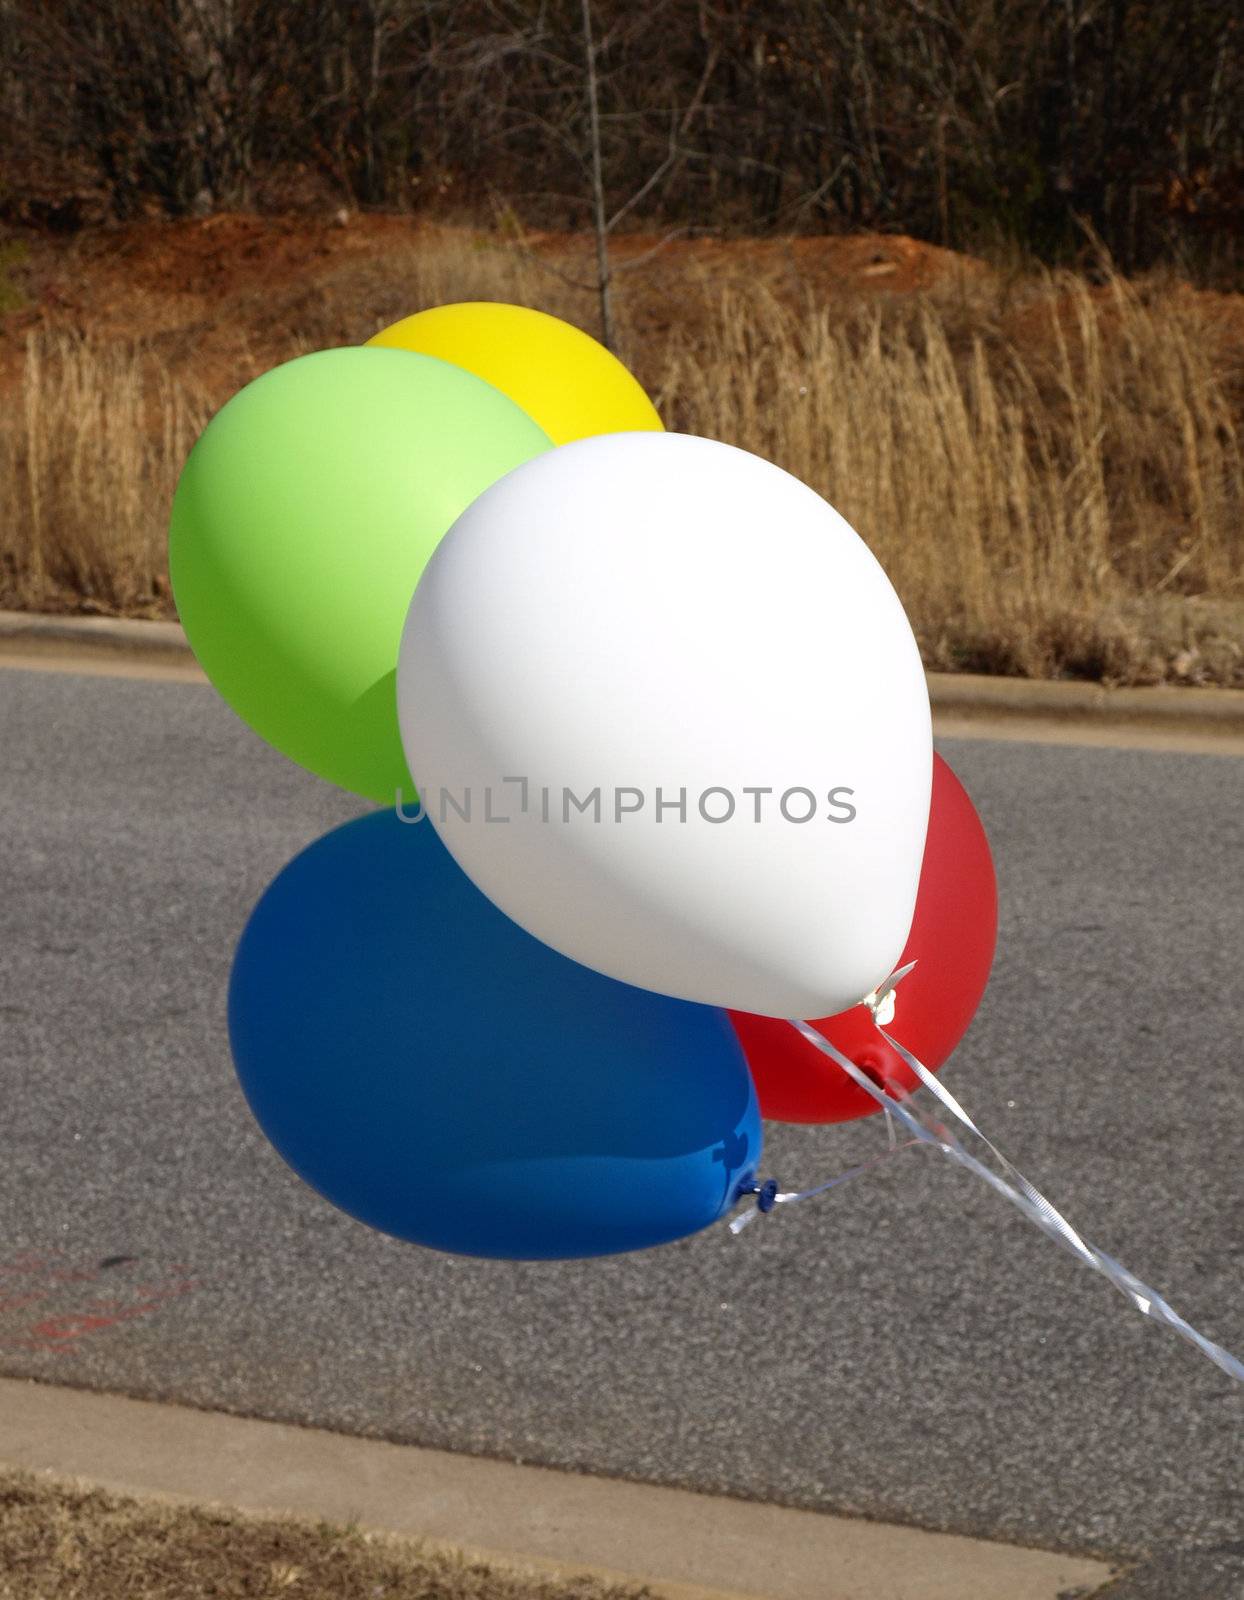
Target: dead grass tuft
{"points": [[1050, 470], [88, 463], [60, 1541], [1064, 505]]}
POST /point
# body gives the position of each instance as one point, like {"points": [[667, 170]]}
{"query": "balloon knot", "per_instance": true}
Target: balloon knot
{"points": [[880, 1001], [766, 1194]]}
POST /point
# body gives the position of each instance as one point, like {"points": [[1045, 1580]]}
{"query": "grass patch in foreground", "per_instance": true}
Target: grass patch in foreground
{"points": [[60, 1541]]}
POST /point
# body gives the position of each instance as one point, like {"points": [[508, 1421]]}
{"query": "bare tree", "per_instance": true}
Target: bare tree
{"points": [[600, 223], [958, 120]]}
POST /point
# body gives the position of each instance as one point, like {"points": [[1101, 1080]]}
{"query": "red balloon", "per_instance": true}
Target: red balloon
{"points": [[953, 933]]}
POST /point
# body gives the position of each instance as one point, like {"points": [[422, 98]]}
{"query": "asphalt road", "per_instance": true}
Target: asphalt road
{"points": [[904, 1348]]}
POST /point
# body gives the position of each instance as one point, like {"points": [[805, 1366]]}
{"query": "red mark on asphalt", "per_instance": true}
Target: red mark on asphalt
{"points": [[27, 1263], [71, 1314]]}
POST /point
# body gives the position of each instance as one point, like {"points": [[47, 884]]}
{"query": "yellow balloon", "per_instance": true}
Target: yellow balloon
{"points": [[565, 381]]}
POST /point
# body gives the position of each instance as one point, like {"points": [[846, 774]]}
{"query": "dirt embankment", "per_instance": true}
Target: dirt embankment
{"points": [[1050, 466], [212, 289]]}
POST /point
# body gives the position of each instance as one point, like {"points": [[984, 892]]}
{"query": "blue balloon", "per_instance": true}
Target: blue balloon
{"points": [[441, 1075]]}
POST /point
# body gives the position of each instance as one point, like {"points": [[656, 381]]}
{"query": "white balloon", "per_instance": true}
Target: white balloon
{"points": [[693, 695]]}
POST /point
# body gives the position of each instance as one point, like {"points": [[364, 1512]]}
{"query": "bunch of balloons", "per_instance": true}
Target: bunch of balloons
{"points": [[651, 742]]}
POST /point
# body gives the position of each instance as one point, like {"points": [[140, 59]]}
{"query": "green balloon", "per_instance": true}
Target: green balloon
{"points": [[302, 521]]}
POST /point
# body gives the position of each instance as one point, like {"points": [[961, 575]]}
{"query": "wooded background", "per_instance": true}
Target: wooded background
{"points": [[971, 123]]}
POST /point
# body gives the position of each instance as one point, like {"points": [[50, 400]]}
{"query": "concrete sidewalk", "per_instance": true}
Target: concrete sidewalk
{"points": [[965, 705], [686, 1546]]}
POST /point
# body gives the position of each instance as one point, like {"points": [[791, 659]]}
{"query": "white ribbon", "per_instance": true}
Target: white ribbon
{"points": [[1021, 1194], [782, 1198]]}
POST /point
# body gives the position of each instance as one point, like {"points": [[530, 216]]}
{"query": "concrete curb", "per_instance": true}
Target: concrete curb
{"points": [[1211, 710], [686, 1546], [958, 698], [97, 633]]}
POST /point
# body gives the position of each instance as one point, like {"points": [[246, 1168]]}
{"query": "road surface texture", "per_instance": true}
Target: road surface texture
{"points": [[904, 1348]]}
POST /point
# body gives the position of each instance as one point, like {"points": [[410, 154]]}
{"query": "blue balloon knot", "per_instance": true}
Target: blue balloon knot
{"points": [[766, 1195]]}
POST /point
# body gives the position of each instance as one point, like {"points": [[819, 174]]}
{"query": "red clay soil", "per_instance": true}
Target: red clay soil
{"points": [[210, 292], [216, 296], [148, 277], [859, 263], [98, 281]]}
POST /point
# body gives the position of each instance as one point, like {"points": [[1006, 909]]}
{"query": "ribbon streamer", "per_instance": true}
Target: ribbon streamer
{"points": [[881, 1003], [771, 1195], [1024, 1196]]}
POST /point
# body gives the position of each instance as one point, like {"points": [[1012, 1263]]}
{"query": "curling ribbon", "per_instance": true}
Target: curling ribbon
{"points": [[1021, 1194], [881, 1003], [770, 1195]]}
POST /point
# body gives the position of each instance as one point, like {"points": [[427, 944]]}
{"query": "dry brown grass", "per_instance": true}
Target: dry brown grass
{"points": [[1052, 472], [59, 1541], [1067, 505], [88, 464]]}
